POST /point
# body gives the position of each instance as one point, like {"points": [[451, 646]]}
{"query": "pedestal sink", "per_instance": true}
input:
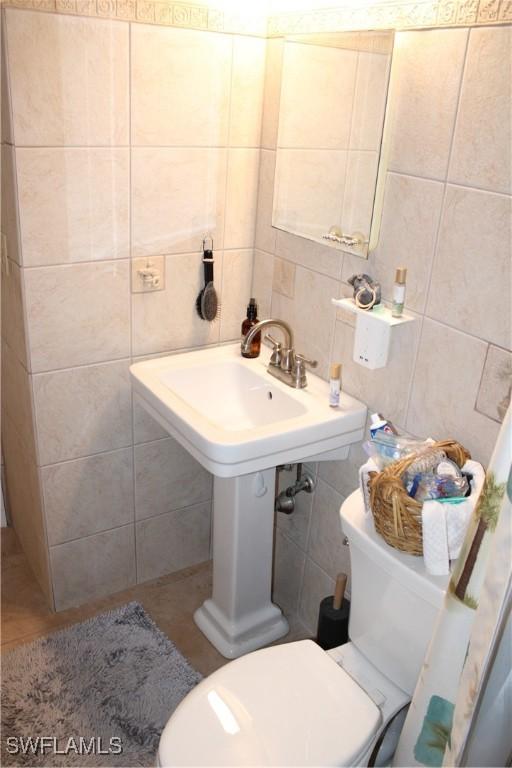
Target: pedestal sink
{"points": [[240, 423]]}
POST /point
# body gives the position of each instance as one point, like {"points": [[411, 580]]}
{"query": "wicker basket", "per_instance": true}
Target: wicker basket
{"points": [[396, 515]]}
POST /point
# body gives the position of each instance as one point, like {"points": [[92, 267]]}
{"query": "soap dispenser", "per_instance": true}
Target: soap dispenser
{"points": [[250, 320]]}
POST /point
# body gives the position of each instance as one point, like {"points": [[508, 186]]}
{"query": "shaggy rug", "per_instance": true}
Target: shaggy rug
{"points": [[96, 694]]}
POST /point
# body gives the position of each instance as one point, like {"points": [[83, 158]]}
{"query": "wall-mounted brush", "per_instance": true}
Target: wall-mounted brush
{"points": [[207, 302]]}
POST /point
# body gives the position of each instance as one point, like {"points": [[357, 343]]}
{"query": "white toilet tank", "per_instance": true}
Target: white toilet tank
{"points": [[394, 602]]}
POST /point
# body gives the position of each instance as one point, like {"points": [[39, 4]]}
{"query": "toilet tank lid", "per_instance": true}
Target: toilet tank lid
{"points": [[286, 705], [358, 526]]}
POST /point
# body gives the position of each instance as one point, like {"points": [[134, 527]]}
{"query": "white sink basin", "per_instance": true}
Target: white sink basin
{"points": [[235, 418], [236, 398], [240, 423]]}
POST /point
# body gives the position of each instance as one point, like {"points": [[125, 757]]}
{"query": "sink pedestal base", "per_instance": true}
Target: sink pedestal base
{"points": [[240, 616]]}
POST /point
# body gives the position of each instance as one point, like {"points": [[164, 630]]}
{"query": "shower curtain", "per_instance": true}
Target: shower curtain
{"points": [[469, 627]]}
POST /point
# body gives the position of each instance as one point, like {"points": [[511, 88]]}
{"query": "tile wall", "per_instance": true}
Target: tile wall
{"points": [[447, 217], [127, 140], [22, 488], [109, 154]]}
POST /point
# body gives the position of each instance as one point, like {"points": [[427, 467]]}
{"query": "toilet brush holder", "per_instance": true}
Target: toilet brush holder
{"points": [[332, 624], [333, 617]]}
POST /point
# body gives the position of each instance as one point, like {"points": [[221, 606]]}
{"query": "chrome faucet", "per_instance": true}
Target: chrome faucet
{"points": [[285, 364]]}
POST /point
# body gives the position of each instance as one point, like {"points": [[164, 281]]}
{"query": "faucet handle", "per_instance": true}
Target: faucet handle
{"points": [[273, 341], [276, 356], [301, 361], [299, 370]]}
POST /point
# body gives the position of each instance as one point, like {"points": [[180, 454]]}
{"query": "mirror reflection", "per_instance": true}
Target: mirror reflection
{"points": [[329, 150]]}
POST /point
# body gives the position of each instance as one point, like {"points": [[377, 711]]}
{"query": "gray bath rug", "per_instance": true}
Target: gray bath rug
{"points": [[96, 694]]}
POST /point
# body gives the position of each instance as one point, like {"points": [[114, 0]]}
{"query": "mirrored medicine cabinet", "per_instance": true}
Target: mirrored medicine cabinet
{"points": [[331, 147]]}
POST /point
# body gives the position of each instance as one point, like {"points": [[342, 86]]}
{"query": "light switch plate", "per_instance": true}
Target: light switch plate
{"points": [[148, 274]]}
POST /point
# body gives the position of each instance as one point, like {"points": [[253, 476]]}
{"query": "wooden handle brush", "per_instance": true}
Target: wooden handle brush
{"points": [[339, 592]]}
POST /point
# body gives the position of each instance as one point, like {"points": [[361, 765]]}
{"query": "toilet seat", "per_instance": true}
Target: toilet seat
{"points": [[286, 705]]}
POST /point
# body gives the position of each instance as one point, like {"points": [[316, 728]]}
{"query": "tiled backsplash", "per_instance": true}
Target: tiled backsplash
{"points": [[447, 217], [140, 146]]}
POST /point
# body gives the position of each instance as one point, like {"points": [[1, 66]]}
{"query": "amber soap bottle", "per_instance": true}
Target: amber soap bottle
{"points": [[250, 320]]}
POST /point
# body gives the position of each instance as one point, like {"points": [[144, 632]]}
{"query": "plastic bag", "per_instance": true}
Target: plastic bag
{"points": [[385, 448], [430, 485]]}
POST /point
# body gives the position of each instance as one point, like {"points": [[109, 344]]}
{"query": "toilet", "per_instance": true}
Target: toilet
{"points": [[296, 704]]}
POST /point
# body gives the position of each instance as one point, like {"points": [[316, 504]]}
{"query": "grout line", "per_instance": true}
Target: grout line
{"points": [[333, 330], [481, 190], [481, 379], [5, 63], [435, 247], [260, 165], [64, 147], [463, 332], [98, 262], [177, 147], [330, 275], [458, 104], [230, 99], [34, 421], [410, 388], [129, 523], [347, 149], [186, 508], [508, 350], [130, 298], [170, 352], [91, 535], [5, 341], [113, 261], [90, 456], [423, 314], [46, 548], [469, 187], [300, 591], [46, 537], [18, 432], [226, 187], [87, 456], [113, 361], [263, 84], [18, 228]]}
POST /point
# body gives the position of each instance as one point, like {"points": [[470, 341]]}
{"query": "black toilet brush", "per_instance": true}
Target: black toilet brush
{"points": [[333, 617]]}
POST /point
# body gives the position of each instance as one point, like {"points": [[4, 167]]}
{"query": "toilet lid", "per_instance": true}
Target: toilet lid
{"points": [[286, 705]]}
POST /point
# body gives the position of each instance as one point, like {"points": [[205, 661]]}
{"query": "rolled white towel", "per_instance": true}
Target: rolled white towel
{"points": [[459, 515], [445, 524], [364, 472], [435, 538]]}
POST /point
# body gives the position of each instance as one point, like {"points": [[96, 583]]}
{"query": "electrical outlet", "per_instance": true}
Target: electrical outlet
{"points": [[148, 274]]}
